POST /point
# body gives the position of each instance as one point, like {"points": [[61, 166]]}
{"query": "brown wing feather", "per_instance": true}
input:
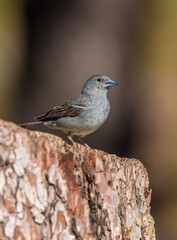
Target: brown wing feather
{"points": [[65, 110]]}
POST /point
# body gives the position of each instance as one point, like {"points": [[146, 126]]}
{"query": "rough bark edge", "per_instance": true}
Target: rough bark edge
{"points": [[51, 190]]}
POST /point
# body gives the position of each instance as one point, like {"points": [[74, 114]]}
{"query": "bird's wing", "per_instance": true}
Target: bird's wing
{"points": [[70, 109]]}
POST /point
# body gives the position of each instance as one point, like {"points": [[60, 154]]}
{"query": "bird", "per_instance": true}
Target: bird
{"points": [[82, 114]]}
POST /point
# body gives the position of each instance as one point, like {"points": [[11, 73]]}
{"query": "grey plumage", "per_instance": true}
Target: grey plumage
{"points": [[82, 114]]}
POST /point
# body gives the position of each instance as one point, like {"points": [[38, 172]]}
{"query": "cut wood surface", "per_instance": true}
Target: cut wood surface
{"points": [[52, 190]]}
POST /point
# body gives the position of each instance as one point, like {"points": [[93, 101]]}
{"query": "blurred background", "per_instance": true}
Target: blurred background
{"points": [[48, 49]]}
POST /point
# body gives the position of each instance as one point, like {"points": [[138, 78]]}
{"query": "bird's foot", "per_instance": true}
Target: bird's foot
{"points": [[70, 139], [80, 139], [85, 144]]}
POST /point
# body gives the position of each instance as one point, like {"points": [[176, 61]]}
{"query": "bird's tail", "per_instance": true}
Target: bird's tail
{"points": [[31, 124]]}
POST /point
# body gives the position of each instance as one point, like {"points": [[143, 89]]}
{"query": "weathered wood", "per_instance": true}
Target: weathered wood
{"points": [[51, 190]]}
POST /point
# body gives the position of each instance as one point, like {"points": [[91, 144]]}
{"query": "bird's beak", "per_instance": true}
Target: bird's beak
{"points": [[109, 83]]}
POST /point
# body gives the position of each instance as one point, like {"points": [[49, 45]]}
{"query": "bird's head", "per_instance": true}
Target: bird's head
{"points": [[98, 84]]}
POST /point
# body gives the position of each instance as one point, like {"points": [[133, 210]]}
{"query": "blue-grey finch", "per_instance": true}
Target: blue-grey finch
{"points": [[82, 114]]}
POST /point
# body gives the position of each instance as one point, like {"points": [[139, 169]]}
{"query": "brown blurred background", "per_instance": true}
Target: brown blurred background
{"points": [[48, 49]]}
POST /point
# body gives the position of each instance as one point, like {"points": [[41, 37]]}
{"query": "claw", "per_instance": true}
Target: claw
{"points": [[70, 139], [85, 144]]}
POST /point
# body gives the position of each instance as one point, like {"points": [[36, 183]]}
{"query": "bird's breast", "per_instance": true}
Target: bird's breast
{"points": [[97, 113]]}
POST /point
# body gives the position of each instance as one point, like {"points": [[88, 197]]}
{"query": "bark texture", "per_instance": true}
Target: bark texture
{"points": [[51, 190]]}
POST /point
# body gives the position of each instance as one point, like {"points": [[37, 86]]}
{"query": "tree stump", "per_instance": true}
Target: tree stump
{"points": [[52, 190]]}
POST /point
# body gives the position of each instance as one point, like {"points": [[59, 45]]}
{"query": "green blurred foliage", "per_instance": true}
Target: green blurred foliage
{"points": [[12, 49], [158, 120]]}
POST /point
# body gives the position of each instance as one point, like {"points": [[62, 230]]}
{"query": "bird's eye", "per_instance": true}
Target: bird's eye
{"points": [[98, 79]]}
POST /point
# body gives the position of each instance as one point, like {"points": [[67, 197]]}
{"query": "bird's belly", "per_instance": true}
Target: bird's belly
{"points": [[87, 122]]}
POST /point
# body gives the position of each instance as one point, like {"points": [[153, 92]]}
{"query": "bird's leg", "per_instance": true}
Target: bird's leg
{"points": [[81, 140], [69, 136]]}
